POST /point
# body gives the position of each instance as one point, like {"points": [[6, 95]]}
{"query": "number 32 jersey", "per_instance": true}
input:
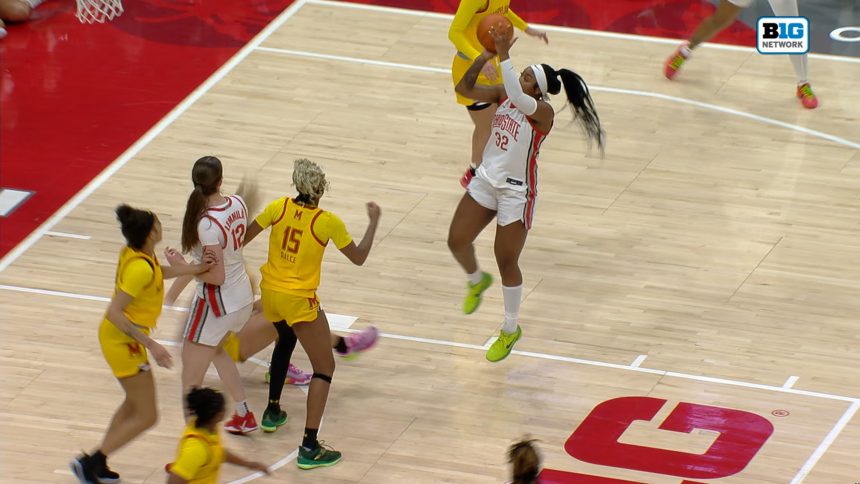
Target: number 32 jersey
{"points": [[510, 157], [225, 225], [296, 245]]}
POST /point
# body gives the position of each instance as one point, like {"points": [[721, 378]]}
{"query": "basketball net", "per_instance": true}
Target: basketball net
{"points": [[92, 11]]}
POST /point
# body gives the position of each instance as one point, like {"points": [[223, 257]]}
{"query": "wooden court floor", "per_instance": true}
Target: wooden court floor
{"points": [[702, 277]]}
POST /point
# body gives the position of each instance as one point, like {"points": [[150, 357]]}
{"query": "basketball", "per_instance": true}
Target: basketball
{"points": [[500, 22]]}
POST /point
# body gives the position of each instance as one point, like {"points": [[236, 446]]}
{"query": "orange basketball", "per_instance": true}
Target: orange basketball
{"points": [[501, 24]]}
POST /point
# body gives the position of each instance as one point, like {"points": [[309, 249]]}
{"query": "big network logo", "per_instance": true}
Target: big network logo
{"points": [[782, 35]]}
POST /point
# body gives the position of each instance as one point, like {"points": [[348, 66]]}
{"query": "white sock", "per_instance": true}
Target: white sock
{"points": [[242, 408], [686, 51], [784, 8], [788, 8], [475, 277], [800, 70], [512, 297]]}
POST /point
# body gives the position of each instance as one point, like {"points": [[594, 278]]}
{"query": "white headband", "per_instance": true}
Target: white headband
{"points": [[540, 75]]}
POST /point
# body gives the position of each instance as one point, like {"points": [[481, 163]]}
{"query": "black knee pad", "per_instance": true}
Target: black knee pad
{"points": [[323, 377]]}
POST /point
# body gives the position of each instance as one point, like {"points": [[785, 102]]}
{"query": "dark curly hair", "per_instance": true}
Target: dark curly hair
{"points": [[205, 404]]}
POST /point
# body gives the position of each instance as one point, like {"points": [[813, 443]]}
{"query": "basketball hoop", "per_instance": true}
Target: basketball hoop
{"points": [[92, 11]]}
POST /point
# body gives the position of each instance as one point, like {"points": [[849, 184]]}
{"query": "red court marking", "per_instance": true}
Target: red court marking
{"points": [[742, 434], [74, 97]]}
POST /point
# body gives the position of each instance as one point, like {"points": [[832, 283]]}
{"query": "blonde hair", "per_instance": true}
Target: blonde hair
{"points": [[525, 460], [309, 179]]}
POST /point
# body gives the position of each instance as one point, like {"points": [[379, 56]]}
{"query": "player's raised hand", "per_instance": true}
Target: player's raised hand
{"points": [[373, 211], [537, 33], [504, 42]]}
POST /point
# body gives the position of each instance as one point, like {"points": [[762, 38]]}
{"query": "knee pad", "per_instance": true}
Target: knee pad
{"points": [[322, 376]]}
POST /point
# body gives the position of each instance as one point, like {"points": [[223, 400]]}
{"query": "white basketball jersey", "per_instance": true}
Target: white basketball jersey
{"points": [[225, 225], [510, 157]]}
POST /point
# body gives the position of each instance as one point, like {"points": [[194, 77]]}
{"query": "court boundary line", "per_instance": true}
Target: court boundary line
{"points": [[339, 322], [154, 131], [531, 354], [825, 444], [254, 475], [277, 465], [807, 467], [804, 471], [142, 142], [574, 30], [615, 90], [67, 235], [278, 22]]}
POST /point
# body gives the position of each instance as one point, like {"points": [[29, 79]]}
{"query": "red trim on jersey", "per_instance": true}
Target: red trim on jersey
{"points": [[312, 228], [221, 209], [223, 231], [241, 202], [286, 202], [534, 127], [214, 298], [530, 209], [531, 171], [531, 122], [198, 316]]}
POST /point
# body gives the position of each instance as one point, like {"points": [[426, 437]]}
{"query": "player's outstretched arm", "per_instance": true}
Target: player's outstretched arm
{"points": [[467, 86], [357, 254]]}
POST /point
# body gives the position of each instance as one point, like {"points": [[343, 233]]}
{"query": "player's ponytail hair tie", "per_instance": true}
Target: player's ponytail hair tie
{"points": [[580, 103], [540, 76], [136, 225], [206, 176]]}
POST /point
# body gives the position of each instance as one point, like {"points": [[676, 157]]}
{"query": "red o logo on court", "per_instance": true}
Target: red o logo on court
{"points": [[741, 435]]}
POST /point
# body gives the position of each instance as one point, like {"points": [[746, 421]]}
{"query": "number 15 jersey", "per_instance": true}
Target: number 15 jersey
{"points": [[296, 245]]}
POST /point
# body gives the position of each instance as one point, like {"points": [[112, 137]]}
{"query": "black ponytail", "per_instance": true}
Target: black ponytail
{"points": [[525, 460], [136, 225], [205, 404], [579, 99], [206, 176]]}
